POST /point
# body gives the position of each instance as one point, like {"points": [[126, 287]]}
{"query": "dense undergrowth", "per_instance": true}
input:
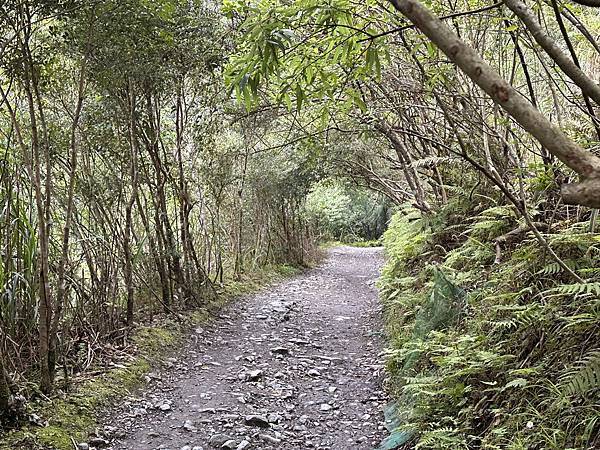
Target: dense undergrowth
{"points": [[491, 350], [341, 212], [70, 416]]}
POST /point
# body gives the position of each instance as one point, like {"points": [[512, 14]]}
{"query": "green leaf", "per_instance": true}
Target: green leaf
{"points": [[299, 97], [288, 102], [516, 383], [360, 103], [324, 117], [431, 49], [247, 99]]}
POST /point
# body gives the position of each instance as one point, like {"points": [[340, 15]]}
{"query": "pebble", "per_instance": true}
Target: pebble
{"points": [[254, 375], [256, 421], [230, 444], [280, 350], [189, 426], [218, 440], [243, 445], [256, 381], [268, 438], [98, 442]]}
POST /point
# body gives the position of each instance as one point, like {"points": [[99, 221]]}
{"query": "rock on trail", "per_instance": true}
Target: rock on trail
{"points": [[293, 367]]}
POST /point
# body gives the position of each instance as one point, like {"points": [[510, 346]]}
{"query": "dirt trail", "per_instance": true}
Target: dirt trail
{"points": [[294, 367]]}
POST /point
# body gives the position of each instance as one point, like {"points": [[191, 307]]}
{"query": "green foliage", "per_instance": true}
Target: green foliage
{"points": [[492, 222], [404, 240], [517, 367], [344, 213], [584, 377], [327, 39]]}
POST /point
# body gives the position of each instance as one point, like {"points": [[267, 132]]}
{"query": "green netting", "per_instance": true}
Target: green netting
{"points": [[441, 310]]}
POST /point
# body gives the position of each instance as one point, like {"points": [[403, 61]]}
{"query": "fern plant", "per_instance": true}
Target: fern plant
{"points": [[444, 438], [584, 377], [575, 289]]}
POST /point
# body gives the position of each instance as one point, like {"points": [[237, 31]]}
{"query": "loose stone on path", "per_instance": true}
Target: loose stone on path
{"points": [[294, 367]]}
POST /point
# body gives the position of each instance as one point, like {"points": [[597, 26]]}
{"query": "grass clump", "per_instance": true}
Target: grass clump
{"points": [[250, 282], [71, 417]]}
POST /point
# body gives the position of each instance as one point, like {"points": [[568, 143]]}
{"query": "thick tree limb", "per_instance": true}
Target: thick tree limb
{"points": [[566, 63], [551, 137], [449, 16]]}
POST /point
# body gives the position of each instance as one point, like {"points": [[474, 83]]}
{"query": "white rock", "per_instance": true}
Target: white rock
{"points": [[243, 445], [189, 426]]}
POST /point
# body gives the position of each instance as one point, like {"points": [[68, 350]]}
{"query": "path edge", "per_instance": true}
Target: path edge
{"points": [[71, 418]]}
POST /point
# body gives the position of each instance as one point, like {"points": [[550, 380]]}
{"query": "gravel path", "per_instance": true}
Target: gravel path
{"points": [[294, 367]]}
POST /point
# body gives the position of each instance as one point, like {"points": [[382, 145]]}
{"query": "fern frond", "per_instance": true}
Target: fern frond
{"points": [[590, 271], [498, 212], [584, 378], [457, 190], [576, 289], [504, 324], [444, 437], [582, 320], [555, 268]]}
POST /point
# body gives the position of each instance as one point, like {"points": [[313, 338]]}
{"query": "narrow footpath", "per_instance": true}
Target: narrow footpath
{"points": [[296, 366]]}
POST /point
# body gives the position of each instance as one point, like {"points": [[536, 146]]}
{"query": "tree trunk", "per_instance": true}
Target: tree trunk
{"points": [[239, 258], [586, 192], [133, 174], [64, 256], [4, 387], [153, 148]]}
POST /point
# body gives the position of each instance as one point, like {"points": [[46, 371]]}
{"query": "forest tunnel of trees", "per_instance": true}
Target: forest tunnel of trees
{"points": [[150, 151]]}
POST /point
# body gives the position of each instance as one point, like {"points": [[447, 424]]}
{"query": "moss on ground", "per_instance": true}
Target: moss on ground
{"points": [[74, 416], [248, 283]]}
